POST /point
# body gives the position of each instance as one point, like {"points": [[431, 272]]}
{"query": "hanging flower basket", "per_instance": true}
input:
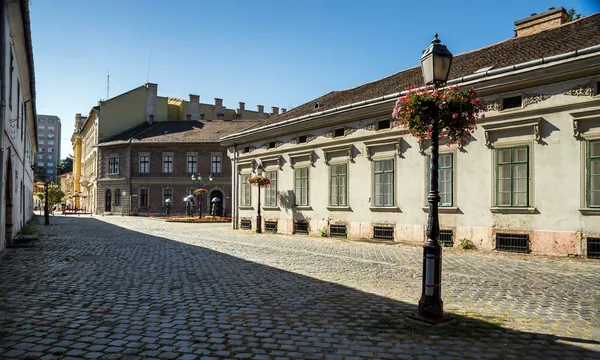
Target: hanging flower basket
{"points": [[260, 181], [457, 112], [200, 191]]}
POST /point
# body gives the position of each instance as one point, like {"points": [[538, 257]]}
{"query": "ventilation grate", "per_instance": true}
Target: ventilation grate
{"points": [[301, 227], [512, 242], [593, 248], [385, 233], [246, 224], [337, 231], [271, 226], [446, 237]]}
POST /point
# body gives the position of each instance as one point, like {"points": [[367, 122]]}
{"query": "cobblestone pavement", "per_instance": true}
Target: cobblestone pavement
{"points": [[138, 288]]}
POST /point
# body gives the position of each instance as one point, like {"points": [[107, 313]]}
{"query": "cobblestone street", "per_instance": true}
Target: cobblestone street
{"points": [[139, 288]]}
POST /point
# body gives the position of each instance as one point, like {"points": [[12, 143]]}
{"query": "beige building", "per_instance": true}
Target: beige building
{"points": [[528, 181], [18, 132]]}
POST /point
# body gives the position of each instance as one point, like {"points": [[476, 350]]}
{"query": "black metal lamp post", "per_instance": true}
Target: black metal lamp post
{"points": [[198, 180], [259, 172], [435, 64], [46, 213]]}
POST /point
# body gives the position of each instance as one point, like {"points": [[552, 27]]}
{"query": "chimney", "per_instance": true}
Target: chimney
{"points": [[261, 110], [151, 102], [240, 110], [218, 102], [219, 110], [77, 121], [194, 107], [274, 110], [283, 110], [535, 23]]}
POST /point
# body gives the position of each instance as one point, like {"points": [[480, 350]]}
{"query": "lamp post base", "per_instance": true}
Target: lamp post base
{"points": [[445, 318]]}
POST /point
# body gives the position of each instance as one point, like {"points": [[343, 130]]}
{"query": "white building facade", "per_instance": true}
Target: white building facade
{"points": [[18, 125], [528, 180]]}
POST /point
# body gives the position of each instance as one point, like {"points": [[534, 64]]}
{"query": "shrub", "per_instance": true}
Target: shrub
{"points": [[466, 244]]}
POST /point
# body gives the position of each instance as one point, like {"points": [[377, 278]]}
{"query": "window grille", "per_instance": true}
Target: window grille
{"points": [[593, 248], [301, 227], [246, 224], [385, 233], [512, 242], [271, 226], [337, 231], [446, 238]]}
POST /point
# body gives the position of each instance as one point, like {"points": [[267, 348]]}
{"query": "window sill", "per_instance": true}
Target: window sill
{"points": [[589, 211], [385, 209], [339, 208], [271, 208], [302, 207], [444, 209], [514, 210], [246, 208]]}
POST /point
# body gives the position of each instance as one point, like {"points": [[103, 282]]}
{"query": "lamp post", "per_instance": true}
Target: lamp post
{"points": [[435, 64], [259, 172], [198, 180], [46, 214]]}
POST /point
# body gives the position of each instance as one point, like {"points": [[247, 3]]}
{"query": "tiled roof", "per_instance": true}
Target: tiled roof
{"points": [[186, 131], [575, 35]]}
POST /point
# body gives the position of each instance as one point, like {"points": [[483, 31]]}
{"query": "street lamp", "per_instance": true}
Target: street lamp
{"points": [[198, 180], [435, 64], [259, 172]]}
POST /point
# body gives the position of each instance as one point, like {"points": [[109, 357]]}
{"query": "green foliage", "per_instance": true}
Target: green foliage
{"points": [[55, 194], [323, 231], [455, 111], [38, 172], [30, 227], [65, 166], [571, 15], [41, 196], [466, 244]]}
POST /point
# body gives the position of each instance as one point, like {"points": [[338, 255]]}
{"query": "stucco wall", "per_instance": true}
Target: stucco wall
{"points": [[553, 218], [122, 112]]}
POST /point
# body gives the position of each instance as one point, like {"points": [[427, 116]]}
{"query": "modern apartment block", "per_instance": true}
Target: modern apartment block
{"points": [[48, 155]]}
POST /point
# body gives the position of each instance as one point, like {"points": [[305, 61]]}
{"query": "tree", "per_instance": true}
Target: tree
{"points": [[65, 166], [39, 173], [55, 194], [571, 15]]}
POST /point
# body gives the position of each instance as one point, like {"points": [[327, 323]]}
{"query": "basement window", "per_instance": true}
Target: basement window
{"points": [[301, 227], [446, 238], [593, 248], [338, 132], [246, 224], [337, 231], [271, 226], [512, 242], [302, 139], [512, 102], [385, 233], [383, 124]]}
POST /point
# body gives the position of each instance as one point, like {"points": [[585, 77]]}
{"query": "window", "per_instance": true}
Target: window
{"points": [[512, 102], [216, 164], [41, 135], [41, 149], [512, 177], [41, 120], [383, 124], [144, 164], [271, 144], [167, 194], [118, 197], [40, 156], [338, 181], [167, 164], [50, 171], [445, 169], [50, 142], [49, 149], [271, 190], [113, 165], [593, 170], [302, 139], [143, 197], [51, 121], [41, 142], [192, 164], [245, 199], [50, 164], [41, 164], [383, 183], [246, 149], [338, 132], [51, 128], [41, 127], [50, 157], [301, 186]]}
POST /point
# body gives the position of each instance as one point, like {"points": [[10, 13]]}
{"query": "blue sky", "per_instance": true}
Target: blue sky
{"points": [[273, 53]]}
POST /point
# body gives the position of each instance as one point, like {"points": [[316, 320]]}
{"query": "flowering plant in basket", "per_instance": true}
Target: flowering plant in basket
{"points": [[456, 112], [260, 181], [200, 191]]}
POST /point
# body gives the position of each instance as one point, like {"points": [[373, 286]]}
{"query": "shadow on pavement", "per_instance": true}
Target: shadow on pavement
{"points": [[90, 283]]}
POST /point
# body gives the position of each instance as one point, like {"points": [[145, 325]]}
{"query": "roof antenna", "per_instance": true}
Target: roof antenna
{"points": [[107, 82], [148, 73]]}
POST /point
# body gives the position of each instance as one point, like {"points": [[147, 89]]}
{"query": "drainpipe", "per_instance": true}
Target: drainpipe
{"points": [[130, 175], [234, 197], [3, 83]]}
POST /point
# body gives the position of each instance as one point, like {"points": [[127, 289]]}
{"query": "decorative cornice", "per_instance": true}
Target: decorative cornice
{"points": [[578, 116], [512, 124], [342, 148], [370, 126], [492, 105], [301, 156], [349, 130], [329, 134], [586, 89], [370, 144], [531, 99]]}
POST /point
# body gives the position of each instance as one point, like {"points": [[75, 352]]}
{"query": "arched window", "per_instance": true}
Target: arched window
{"points": [[117, 197]]}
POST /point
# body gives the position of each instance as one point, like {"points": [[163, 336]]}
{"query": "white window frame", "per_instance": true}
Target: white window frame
{"points": [[114, 166], [147, 170], [271, 190], [194, 157], [338, 203], [297, 196], [245, 190], [164, 163], [219, 168], [394, 176]]}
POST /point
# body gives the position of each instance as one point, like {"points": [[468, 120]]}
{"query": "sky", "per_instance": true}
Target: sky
{"points": [[269, 52]]}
